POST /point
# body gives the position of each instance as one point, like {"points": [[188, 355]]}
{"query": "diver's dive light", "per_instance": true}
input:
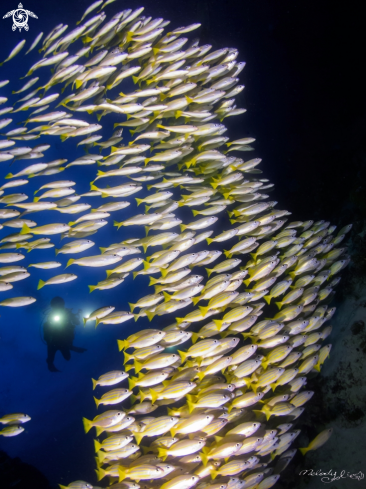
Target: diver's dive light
{"points": [[58, 319]]}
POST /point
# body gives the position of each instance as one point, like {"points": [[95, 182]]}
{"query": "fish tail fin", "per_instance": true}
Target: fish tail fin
{"points": [[70, 262], [201, 375], [179, 320], [227, 254], [138, 437], [195, 337], [121, 474], [182, 355], [191, 406], [138, 366], [268, 298], [195, 300], [122, 344], [163, 453], [139, 201], [209, 271], [150, 315], [230, 408], [127, 357], [145, 450], [134, 274], [100, 473], [265, 364], [195, 213], [204, 458], [153, 281], [167, 297], [279, 304], [317, 367], [218, 323], [163, 272], [189, 99], [117, 224], [292, 275], [209, 240], [91, 288], [142, 395], [132, 382], [41, 284], [267, 411], [97, 446], [154, 395], [247, 282], [96, 401], [132, 307], [95, 383], [214, 474], [25, 229], [87, 425], [303, 450]]}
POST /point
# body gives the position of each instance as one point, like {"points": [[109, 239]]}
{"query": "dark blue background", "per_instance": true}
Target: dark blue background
{"points": [[304, 92]]}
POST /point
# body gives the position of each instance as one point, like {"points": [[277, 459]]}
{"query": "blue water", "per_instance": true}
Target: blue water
{"points": [[54, 441]]}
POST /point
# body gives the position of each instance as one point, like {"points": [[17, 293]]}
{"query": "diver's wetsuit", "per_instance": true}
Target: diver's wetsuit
{"points": [[60, 338]]}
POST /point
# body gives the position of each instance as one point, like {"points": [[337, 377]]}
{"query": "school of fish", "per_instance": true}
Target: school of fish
{"points": [[212, 400]]}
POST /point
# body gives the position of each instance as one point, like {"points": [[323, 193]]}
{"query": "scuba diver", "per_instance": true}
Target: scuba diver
{"points": [[58, 332]]}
